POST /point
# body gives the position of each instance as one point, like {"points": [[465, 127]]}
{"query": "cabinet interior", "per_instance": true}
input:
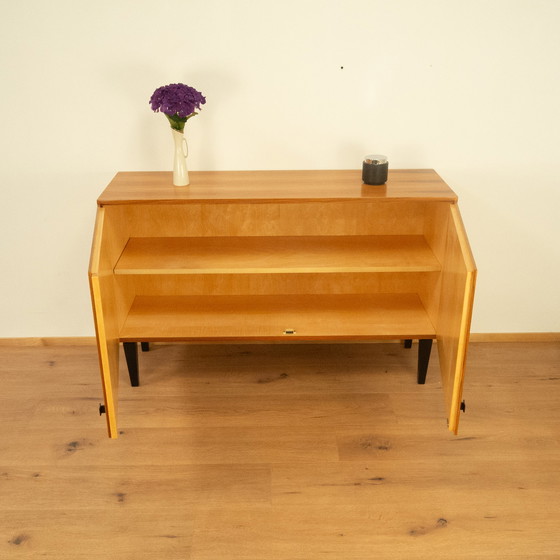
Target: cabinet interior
{"points": [[277, 252]]}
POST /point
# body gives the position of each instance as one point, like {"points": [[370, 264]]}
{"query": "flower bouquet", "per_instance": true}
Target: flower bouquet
{"points": [[178, 102]]}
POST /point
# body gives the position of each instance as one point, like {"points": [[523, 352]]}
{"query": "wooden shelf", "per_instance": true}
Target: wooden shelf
{"points": [[267, 318], [221, 255]]}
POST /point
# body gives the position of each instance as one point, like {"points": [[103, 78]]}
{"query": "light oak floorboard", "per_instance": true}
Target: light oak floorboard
{"points": [[283, 452]]}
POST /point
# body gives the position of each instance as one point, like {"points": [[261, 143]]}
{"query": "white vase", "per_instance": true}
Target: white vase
{"points": [[180, 171]]}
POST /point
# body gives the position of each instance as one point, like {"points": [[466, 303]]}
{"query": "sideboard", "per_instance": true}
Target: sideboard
{"points": [[281, 256]]}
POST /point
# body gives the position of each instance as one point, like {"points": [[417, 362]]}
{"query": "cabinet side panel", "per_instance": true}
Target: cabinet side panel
{"points": [[116, 234], [453, 325], [435, 231], [435, 227]]}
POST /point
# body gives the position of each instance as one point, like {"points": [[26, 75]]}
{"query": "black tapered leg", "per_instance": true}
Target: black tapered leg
{"points": [[145, 346], [407, 342], [424, 350], [131, 355]]}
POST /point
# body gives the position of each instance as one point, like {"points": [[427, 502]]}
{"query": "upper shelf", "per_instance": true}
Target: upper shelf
{"points": [[251, 255], [133, 187]]}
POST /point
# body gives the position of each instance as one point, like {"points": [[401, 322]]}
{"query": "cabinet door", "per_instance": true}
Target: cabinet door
{"points": [[108, 240], [457, 293]]}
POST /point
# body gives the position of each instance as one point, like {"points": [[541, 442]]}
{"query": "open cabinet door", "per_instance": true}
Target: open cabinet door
{"points": [[455, 311], [102, 289]]}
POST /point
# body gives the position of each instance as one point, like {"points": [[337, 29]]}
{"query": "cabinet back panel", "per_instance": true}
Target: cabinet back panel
{"points": [[308, 283], [385, 217]]}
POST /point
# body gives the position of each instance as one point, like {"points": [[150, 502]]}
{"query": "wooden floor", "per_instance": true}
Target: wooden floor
{"points": [[281, 452]]}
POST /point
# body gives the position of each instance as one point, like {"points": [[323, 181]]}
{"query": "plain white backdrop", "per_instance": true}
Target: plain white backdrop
{"points": [[470, 89]]}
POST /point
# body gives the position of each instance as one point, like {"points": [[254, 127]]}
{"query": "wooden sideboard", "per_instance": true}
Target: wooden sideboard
{"points": [[281, 256]]}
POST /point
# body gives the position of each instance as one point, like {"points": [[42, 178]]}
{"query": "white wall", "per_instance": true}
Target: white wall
{"points": [[470, 89]]}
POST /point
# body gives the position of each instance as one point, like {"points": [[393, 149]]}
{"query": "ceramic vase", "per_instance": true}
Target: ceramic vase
{"points": [[180, 171]]}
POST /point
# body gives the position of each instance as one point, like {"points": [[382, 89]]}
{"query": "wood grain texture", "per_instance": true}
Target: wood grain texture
{"points": [[110, 302], [243, 218], [105, 316], [274, 255], [250, 452], [218, 186], [284, 283], [266, 318], [455, 312]]}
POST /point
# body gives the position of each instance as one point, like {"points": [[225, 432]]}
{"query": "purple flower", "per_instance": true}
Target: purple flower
{"points": [[178, 102]]}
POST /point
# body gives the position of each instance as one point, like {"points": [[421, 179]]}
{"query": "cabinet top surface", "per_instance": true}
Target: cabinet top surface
{"points": [[268, 186]]}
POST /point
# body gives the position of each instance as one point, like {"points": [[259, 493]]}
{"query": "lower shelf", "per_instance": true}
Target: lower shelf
{"points": [[285, 317]]}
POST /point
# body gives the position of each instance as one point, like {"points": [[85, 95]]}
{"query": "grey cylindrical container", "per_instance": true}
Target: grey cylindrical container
{"points": [[375, 169]]}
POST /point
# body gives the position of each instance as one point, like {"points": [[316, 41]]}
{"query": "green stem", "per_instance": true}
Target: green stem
{"points": [[178, 123]]}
